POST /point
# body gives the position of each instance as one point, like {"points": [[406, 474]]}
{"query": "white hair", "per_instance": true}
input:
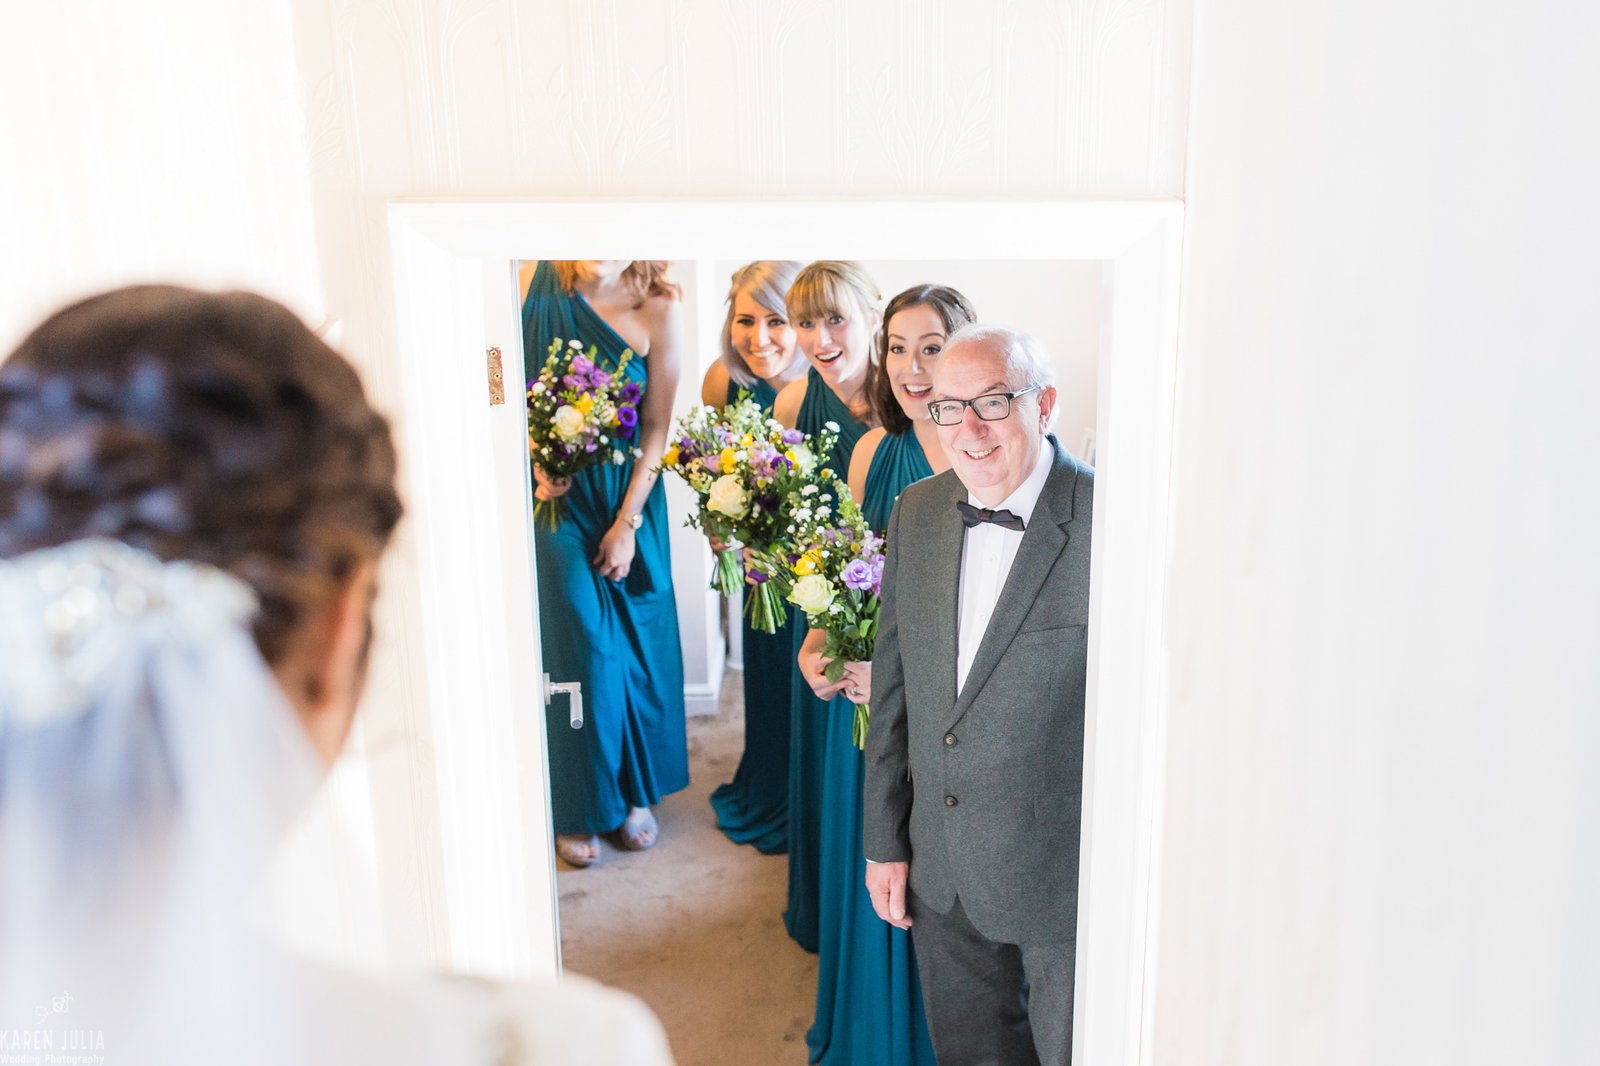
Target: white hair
{"points": [[1024, 355]]}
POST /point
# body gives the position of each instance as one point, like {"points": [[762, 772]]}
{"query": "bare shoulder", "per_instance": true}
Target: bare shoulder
{"points": [[714, 388], [578, 1020], [786, 408], [861, 460], [660, 310]]}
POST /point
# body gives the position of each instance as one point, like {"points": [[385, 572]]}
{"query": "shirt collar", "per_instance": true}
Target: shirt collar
{"points": [[1025, 497]]}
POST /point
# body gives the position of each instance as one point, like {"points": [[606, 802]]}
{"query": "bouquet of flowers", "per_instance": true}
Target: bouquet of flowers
{"points": [[838, 574], [579, 415], [745, 467]]}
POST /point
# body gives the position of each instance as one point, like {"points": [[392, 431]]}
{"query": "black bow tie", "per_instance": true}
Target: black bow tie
{"points": [[971, 516]]}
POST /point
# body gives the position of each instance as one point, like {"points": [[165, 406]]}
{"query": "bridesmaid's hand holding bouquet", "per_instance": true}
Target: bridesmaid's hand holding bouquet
{"points": [[838, 574]]}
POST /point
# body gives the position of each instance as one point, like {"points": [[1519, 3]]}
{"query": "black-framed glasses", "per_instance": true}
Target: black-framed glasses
{"points": [[991, 407]]}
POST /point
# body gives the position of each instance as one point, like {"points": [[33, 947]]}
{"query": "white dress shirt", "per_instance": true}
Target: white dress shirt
{"points": [[986, 558]]}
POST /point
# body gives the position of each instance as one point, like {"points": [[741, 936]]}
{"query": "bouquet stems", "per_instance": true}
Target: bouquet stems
{"points": [[765, 598], [858, 728], [549, 514], [728, 577]]}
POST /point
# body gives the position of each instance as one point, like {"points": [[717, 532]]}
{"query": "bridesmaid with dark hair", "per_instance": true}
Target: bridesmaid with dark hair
{"points": [[605, 575], [834, 307], [759, 356], [869, 1000]]}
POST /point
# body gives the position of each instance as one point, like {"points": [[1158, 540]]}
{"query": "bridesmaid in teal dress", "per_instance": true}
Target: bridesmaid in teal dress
{"points": [[759, 356], [869, 1000], [834, 307], [605, 575]]}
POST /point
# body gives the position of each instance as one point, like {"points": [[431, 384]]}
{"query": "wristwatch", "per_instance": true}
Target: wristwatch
{"points": [[635, 520]]}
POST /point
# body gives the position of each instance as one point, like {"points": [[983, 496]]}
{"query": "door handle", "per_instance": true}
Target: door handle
{"points": [[574, 692]]}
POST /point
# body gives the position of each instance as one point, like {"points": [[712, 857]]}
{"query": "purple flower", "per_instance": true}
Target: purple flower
{"points": [[793, 436], [632, 393], [573, 381], [590, 446], [858, 575], [627, 416], [600, 378], [582, 365], [624, 433], [758, 576]]}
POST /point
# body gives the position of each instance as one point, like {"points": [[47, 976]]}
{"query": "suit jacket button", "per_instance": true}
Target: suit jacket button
{"points": [[950, 801], [949, 739]]}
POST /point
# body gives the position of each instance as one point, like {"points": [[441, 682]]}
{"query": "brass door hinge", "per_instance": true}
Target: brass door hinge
{"points": [[497, 379]]}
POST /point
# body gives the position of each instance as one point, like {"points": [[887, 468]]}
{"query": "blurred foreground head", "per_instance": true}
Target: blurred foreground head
{"points": [[212, 427], [194, 495]]}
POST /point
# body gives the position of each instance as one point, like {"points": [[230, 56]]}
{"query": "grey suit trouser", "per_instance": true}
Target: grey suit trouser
{"points": [[988, 1003]]}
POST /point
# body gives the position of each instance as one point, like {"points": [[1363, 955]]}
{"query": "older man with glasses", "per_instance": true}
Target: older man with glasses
{"points": [[975, 754]]}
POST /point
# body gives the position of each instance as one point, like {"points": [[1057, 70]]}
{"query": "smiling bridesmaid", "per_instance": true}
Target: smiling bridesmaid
{"points": [[759, 356], [834, 306], [869, 999]]}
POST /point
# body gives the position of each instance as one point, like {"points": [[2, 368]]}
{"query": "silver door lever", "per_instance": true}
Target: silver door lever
{"points": [[574, 691]]}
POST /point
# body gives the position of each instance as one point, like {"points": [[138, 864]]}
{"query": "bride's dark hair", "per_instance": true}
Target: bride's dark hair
{"points": [[213, 427]]}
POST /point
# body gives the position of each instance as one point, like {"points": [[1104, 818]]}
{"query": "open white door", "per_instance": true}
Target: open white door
{"points": [[468, 476], [469, 481]]}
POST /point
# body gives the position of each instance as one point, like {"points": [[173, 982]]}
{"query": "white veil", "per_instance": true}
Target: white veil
{"points": [[149, 763], [149, 767]]}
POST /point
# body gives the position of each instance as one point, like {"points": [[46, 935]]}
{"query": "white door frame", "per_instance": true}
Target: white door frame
{"points": [[466, 465]]}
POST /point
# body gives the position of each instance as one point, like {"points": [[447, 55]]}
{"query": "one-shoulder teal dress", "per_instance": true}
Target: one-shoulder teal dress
{"points": [[809, 716], [618, 638], [869, 1000], [753, 808]]}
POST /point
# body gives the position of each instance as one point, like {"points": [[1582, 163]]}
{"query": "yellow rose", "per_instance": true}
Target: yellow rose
{"points": [[670, 458], [728, 497], [729, 460], [812, 594], [568, 423], [585, 404], [807, 563]]}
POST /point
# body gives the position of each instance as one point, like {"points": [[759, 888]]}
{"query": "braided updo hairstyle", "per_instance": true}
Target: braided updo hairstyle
{"points": [[212, 427]]}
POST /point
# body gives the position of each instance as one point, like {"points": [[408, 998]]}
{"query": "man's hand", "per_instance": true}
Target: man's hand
{"points": [[886, 884]]}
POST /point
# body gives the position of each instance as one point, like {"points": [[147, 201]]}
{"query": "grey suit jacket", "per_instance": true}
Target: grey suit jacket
{"points": [[981, 790]]}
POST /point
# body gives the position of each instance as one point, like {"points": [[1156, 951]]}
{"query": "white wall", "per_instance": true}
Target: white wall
{"points": [[1380, 838], [690, 98], [146, 146]]}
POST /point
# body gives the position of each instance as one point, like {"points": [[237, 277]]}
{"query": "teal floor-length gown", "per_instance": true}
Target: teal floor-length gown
{"points": [[618, 638], [753, 808], [869, 1000], [809, 716]]}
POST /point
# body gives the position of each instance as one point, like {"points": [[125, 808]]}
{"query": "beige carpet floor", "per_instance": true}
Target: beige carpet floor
{"points": [[694, 926]]}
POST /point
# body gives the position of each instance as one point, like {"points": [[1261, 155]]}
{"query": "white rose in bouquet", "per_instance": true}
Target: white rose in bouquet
{"points": [[568, 422], [728, 497], [812, 593]]}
